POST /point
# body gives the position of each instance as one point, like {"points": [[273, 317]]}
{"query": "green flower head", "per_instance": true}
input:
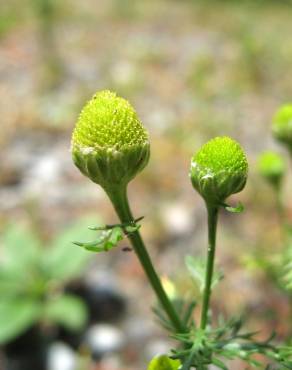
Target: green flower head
{"points": [[219, 169], [282, 125], [109, 143], [272, 167]]}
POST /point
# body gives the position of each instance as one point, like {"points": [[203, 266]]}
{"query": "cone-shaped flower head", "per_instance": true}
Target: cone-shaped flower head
{"points": [[219, 169], [272, 167], [282, 125], [109, 143]]}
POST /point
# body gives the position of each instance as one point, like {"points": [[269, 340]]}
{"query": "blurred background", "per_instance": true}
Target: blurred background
{"points": [[193, 70]]}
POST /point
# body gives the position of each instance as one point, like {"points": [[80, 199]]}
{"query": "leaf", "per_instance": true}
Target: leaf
{"points": [[115, 236], [20, 249], [107, 239], [197, 270], [237, 209], [19, 260], [109, 236], [62, 260], [215, 346], [9, 282], [164, 363], [163, 320], [219, 363], [132, 228], [16, 316], [189, 312], [287, 269], [68, 311]]}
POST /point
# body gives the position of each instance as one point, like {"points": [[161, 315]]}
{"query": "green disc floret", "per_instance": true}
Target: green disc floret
{"points": [[219, 169], [109, 143], [282, 125], [108, 121], [272, 167]]}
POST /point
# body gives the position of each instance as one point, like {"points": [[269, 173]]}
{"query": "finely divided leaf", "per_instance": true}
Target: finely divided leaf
{"points": [[197, 270], [106, 240]]}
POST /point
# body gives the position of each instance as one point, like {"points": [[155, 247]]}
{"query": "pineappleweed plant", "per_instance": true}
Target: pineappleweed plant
{"points": [[110, 146]]}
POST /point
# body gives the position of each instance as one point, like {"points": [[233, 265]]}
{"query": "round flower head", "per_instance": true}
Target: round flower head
{"points": [[109, 143], [282, 125], [272, 167], [219, 169]]}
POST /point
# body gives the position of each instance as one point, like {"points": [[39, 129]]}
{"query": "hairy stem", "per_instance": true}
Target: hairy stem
{"points": [[120, 202], [212, 226]]}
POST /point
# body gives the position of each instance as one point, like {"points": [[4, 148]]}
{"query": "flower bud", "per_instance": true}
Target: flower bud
{"points": [[109, 143], [272, 167], [282, 125], [219, 169]]}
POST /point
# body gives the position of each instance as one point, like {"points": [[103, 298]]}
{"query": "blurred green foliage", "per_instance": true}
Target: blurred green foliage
{"points": [[287, 268], [32, 280], [277, 262], [260, 2], [8, 20], [197, 268], [272, 167]]}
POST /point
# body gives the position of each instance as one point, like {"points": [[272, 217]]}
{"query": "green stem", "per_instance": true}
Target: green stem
{"points": [[212, 226], [120, 202], [284, 231]]}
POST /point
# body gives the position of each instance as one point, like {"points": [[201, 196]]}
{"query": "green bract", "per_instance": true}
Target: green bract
{"points": [[282, 125], [272, 167], [109, 143], [219, 169]]}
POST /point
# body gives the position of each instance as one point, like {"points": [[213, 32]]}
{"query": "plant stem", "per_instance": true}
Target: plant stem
{"points": [[120, 202], [212, 226]]}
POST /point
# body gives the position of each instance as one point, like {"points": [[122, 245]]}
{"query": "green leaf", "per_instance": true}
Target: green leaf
{"points": [[226, 342], [20, 262], [16, 316], [197, 270], [109, 236], [219, 363], [62, 260], [287, 268], [187, 316], [164, 363], [20, 249], [131, 229], [9, 282], [115, 236], [68, 311], [237, 209], [106, 240]]}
